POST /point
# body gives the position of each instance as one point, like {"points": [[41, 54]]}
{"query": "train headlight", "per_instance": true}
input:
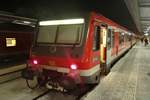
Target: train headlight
{"points": [[73, 66], [35, 62]]}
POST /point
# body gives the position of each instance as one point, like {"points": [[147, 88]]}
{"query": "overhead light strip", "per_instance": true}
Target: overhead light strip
{"points": [[61, 22]]}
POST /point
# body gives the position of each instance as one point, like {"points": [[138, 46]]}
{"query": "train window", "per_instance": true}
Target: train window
{"points": [[109, 39], [96, 40], [66, 34], [121, 38], [125, 37], [69, 33], [47, 34], [10, 42], [129, 37], [112, 39]]}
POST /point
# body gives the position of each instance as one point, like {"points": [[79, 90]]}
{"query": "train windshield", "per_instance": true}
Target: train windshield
{"points": [[60, 34]]}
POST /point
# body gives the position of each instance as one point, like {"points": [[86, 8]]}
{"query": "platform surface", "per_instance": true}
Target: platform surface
{"points": [[129, 79]]}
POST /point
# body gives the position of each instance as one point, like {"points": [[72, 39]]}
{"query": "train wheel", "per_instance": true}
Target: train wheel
{"points": [[98, 78], [42, 80], [104, 69], [68, 83], [107, 71]]}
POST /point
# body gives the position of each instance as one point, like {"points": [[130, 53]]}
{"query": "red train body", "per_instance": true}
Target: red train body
{"points": [[78, 53]]}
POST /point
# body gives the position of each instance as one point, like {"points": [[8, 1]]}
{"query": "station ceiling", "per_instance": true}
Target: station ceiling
{"points": [[144, 9], [117, 10]]}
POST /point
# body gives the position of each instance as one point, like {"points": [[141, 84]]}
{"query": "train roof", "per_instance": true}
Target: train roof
{"points": [[109, 21]]}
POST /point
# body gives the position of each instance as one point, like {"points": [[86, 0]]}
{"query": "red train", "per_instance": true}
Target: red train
{"points": [[73, 51]]}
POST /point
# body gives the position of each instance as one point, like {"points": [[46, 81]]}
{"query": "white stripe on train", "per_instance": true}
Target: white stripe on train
{"points": [[86, 72]]}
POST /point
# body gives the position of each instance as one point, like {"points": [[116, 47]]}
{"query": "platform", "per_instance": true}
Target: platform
{"points": [[129, 79]]}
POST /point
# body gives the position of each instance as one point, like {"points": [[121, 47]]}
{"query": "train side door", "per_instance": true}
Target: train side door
{"points": [[103, 48], [103, 35], [99, 45]]}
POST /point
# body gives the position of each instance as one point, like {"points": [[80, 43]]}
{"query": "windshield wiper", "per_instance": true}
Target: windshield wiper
{"points": [[56, 34], [77, 38]]}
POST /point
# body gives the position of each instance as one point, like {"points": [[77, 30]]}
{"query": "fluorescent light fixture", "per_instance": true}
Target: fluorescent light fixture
{"points": [[146, 34], [129, 33], [61, 22], [122, 33], [22, 22], [26, 22]]}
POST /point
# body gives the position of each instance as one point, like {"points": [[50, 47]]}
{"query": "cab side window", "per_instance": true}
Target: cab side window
{"points": [[96, 39]]}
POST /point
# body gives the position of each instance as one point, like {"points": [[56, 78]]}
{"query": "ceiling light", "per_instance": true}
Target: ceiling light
{"points": [[146, 34], [21, 22], [61, 22], [26, 22]]}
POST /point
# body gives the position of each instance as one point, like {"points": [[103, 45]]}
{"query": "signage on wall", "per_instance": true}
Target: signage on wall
{"points": [[10, 42]]}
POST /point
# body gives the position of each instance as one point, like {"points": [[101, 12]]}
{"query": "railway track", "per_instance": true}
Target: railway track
{"points": [[75, 94], [11, 73]]}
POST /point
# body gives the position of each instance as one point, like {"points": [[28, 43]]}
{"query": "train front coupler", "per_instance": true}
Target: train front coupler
{"points": [[32, 75], [32, 69], [28, 74]]}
